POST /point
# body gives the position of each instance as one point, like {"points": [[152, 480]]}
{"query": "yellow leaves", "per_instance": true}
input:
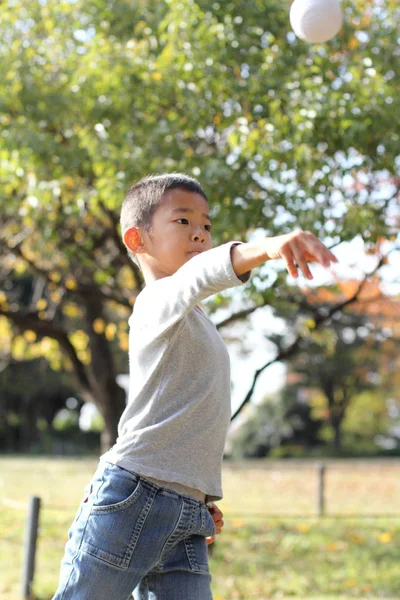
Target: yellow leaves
{"points": [[55, 276], [110, 331], [79, 339], [365, 21], [30, 336], [72, 310], [70, 283], [56, 297], [47, 345], [124, 341], [303, 528], [353, 43], [385, 538], [85, 356], [25, 347], [125, 278], [98, 326], [123, 325], [6, 335], [156, 76], [3, 300], [68, 182], [41, 304], [18, 348], [20, 266]]}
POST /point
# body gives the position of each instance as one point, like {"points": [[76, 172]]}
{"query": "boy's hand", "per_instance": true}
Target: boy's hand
{"points": [[218, 520], [298, 248]]}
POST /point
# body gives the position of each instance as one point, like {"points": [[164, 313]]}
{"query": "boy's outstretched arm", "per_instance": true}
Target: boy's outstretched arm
{"points": [[296, 249]]}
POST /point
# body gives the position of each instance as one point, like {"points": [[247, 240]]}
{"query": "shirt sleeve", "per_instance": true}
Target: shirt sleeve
{"points": [[165, 301]]}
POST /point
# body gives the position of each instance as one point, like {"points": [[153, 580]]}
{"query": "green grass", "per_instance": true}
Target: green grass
{"points": [[260, 555]]}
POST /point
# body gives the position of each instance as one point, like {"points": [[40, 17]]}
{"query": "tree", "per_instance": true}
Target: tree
{"points": [[354, 354], [282, 422], [341, 365], [96, 94]]}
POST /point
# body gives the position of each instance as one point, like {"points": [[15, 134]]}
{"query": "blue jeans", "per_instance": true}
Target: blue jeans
{"points": [[132, 536]]}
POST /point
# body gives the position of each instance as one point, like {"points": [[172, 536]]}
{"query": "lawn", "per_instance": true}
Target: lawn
{"points": [[272, 546]]}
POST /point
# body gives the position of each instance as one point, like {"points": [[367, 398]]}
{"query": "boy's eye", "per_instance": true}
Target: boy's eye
{"points": [[208, 227]]}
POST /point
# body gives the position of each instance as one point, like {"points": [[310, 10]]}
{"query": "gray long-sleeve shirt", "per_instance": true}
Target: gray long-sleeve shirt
{"points": [[175, 423]]}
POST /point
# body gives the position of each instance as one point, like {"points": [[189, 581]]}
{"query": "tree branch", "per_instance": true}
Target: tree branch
{"points": [[45, 328], [319, 320], [44, 273], [242, 314]]}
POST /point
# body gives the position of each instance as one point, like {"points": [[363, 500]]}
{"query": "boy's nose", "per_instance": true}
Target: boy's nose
{"points": [[198, 236]]}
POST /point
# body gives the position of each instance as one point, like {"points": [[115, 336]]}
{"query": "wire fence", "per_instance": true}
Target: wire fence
{"points": [[292, 488], [336, 488]]}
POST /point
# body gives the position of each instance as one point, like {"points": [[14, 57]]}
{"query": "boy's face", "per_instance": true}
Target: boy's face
{"points": [[180, 227]]}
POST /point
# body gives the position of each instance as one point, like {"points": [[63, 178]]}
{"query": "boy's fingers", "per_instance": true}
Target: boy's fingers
{"points": [[219, 525], [325, 254], [287, 256], [300, 259], [214, 510], [210, 540], [316, 251]]}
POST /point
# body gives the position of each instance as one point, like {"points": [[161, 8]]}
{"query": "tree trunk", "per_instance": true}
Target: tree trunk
{"points": [[337, 440], [106, 393], [111, 410]]}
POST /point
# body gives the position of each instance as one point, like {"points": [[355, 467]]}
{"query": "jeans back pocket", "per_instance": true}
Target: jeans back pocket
{"points": [[119, 510], [118, 490]]}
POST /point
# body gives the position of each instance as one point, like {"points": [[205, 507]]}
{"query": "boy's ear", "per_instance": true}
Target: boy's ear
{"points": [[132, 240]]}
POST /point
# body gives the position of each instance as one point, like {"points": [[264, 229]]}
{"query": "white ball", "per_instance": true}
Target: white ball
{"points": [[316, 21]]}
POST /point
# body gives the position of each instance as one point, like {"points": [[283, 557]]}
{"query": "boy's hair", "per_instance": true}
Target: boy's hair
{"points": [[143, 198]]}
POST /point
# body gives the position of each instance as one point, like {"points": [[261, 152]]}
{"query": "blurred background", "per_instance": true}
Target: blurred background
{"points": [[282, 135]]}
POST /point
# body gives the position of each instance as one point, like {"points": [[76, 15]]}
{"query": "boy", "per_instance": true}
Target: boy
{"points": [[144, 522]]}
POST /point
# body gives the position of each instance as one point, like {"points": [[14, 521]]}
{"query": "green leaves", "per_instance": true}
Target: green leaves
{"points": [[94, 95]]}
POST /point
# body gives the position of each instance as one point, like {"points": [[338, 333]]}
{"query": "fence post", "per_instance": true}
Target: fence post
{"points": [[321, 490], [30, 546]]}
